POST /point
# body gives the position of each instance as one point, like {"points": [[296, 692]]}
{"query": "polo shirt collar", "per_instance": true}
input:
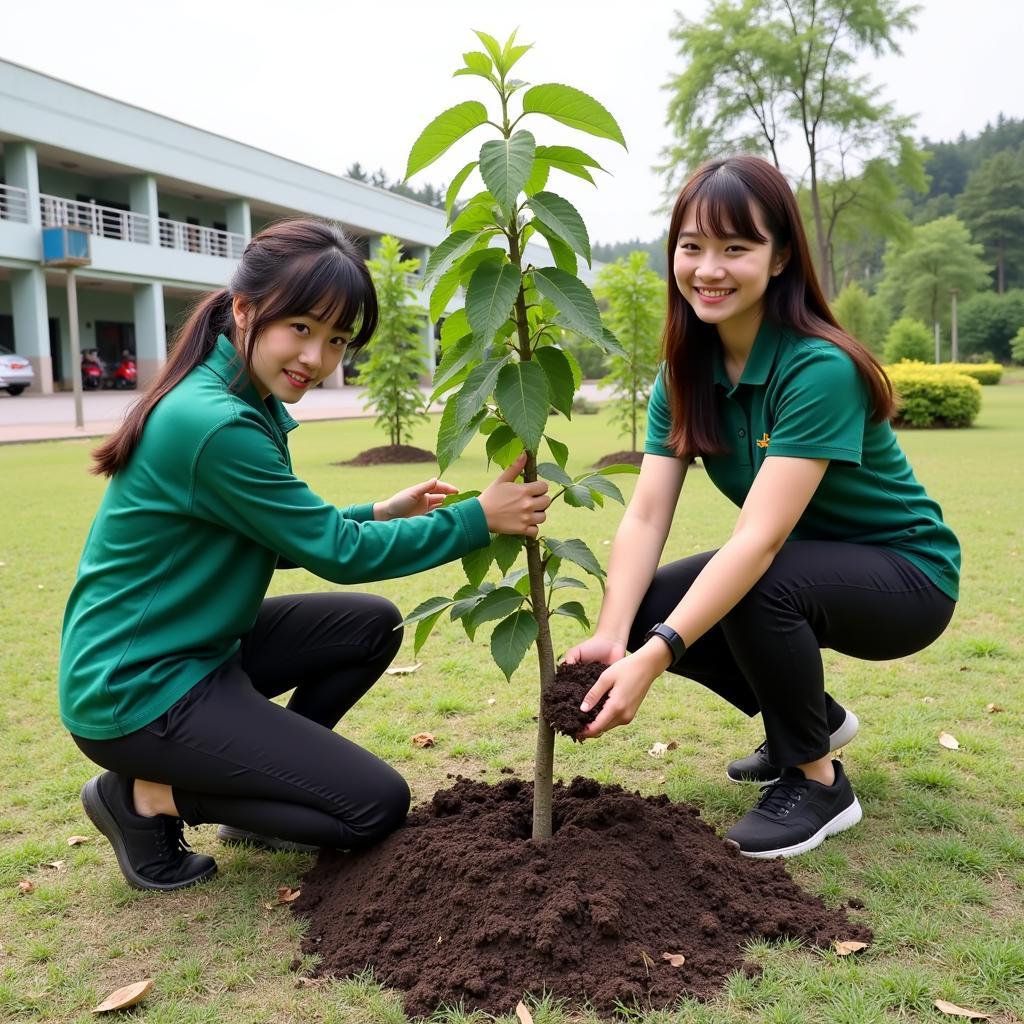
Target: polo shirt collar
{"points": [[759, 362], [227, 364]]}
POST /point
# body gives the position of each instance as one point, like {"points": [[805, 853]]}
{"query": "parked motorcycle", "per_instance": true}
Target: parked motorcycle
{"points": [[125, 375], [92, 371]]}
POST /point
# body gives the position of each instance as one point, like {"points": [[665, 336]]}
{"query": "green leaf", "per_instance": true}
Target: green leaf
{"points": [[602, 485], [611, 345], [559, 373], [538, 177], [565, 259], [444, 291], [466, 599], [577, 552], [478, 387], [506, 550], [514, 577], [493, 47], [554, 473], [560, 582], [456, 359], [560, 217], [453, 189], [489, 297], [522, 396], [453, 436], [428, 607], [577, 370], [477, 63], [558, 450], [576, 307], [619, 467], [472, 260], [454, 327], [456, 245], [572, 107], [564, 157], [497, 604], [574, 610], [498, 440], [578, 496], [423, 630], [511, 53], [443, 132], [505, 166], [511, 640], [476, 563], [454, 499], [477, 214]]}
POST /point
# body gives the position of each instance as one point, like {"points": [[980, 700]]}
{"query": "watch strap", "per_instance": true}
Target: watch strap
{"points": [[671, 637]]}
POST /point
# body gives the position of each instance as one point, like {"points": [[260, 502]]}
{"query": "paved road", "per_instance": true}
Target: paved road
{"points": [[32, 417]]}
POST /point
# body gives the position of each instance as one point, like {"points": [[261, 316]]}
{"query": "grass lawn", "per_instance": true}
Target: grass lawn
{"points": [[938, 861]]}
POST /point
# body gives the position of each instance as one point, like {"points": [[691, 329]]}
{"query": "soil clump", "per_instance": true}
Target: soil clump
{"points": [[460, 905], [390, 455], [560, 703]]}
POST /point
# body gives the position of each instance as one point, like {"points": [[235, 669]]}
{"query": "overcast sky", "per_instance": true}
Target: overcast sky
{"points": [[330, 82]]}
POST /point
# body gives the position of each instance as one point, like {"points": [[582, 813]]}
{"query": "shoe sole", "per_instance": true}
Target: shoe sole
{"points": [[99, 814], [231, 836], [838, 740], [840, 823]]}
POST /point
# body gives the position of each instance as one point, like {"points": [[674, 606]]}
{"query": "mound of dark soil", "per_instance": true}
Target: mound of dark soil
{"points": [[560, 703], [629, 458], [460, 905], [389, 455]]}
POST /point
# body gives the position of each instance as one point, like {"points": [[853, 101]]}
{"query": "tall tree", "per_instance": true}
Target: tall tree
{"points": [[634, 298], [992, 205], [861, 315], [397, 355], [758, 71], [920, 276]]}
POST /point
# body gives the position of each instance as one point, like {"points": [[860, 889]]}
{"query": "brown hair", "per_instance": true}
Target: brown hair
{"points": [[291, 268], [722, 192]]}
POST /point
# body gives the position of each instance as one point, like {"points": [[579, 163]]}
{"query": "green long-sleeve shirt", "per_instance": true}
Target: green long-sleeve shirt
{"points": [[186, 540]]}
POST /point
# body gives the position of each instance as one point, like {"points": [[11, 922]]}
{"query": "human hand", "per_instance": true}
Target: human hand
{"points": [[598, 648], [626, 683], [515, 508], [414, 501]]}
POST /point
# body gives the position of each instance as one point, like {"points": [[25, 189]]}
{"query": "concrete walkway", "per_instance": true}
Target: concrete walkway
{"points": [[32, 417]]}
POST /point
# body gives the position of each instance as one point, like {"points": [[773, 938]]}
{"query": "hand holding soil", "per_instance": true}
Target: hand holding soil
{"points": [[560, 703], [515, 508]]}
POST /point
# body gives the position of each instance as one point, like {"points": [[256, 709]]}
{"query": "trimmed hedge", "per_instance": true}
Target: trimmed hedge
{"points": [[933, 396], [983, 373]]}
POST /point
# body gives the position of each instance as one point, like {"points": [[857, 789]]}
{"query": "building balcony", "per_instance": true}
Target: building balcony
{"points": [[13, 204]]}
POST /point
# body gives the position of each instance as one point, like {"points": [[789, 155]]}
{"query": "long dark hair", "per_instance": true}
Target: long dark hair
{"points": [[291, 268], [723, 192]]}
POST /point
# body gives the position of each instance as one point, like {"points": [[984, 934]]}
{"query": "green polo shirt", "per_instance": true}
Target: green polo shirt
{"points": [[804, 398], [186, 540]]}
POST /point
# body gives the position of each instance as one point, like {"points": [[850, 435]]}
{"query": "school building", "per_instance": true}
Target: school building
{"points": [[169, 209]]}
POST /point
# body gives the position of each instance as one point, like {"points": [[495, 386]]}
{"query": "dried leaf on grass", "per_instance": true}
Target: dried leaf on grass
{"points": [[994, 709], [927, 700], [659, 749], [78, 840], [124, 997], [423, 739], [491, 701], [286, 894], [948, 741], [675, 959], [846, 947], [959, 1011], [523, 1013], [403, 670], [57, 865], [25, 886]]}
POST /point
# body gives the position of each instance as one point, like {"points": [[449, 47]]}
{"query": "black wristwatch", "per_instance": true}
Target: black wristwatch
{"points": [[671, 637]]}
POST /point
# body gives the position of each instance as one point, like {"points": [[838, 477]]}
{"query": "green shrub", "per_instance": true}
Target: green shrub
{"points": [[908, 339], [1017, 346], [930, 396], [987, 322], [983, 373]]}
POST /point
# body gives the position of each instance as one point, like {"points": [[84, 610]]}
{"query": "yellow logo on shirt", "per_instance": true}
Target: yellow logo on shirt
{"points": [[762, 441]]}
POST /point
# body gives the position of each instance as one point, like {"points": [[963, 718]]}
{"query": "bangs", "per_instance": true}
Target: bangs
{"points": [[329, 287], [723, 207]]}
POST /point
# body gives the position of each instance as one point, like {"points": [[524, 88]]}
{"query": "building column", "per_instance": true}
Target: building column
{"points": [[239, 217], [142, 198], [31, 329], [150, 330], [22, 170]]}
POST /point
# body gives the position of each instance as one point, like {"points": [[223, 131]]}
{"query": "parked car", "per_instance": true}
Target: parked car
{"points": [[16, 372]]}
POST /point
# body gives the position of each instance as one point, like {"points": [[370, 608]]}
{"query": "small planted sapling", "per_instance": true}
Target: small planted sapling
{"points": [[501, 367]]}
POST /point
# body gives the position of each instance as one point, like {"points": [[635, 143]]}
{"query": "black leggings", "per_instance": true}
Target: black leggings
{"points": [[233, 756], [765, 654]]}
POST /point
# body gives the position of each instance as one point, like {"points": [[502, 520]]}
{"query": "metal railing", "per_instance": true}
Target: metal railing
{"points": [[103, 221], [195, 238], [13, 203]]}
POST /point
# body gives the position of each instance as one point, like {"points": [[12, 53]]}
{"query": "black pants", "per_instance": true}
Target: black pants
{"points": [[233, 756], [765, 654]]}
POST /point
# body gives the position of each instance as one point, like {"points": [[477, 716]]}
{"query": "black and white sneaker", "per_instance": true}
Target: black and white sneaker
{"points": [[756, 767], [231, 836], [795, 814], [151, 852]]}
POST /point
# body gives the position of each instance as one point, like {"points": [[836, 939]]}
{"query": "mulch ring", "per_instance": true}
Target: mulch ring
{"points": [[617, 458], [389, 455], [460, 905]]}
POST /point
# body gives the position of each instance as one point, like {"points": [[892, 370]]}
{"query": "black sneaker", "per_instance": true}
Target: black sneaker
{"points": [[231, 836], [756, 767], [151, 852], [795, 815]]}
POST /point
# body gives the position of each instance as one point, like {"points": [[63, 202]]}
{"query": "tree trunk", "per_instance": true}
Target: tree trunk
{"points": [[820, 237]]}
